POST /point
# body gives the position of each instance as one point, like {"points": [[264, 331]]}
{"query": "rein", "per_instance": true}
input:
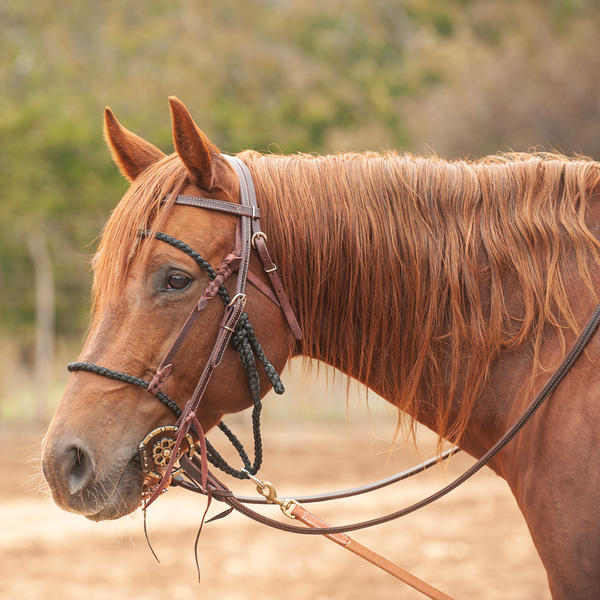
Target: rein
{"points": [[222, 493]]}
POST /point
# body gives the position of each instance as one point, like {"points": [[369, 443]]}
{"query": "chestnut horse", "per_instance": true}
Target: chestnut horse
{"points": [[449, 288]]}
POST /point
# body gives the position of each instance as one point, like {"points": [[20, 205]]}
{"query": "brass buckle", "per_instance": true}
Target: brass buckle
{"points": [[236, 298]]}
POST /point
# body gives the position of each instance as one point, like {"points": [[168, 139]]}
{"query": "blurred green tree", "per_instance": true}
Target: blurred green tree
{"points": [[458, 76]]}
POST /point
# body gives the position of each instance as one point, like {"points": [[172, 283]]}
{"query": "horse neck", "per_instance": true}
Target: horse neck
{"points": [[361, 259], [383, 261], [334, 228]]}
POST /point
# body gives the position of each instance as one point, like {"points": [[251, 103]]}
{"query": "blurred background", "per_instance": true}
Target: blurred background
{"points": [[458, 78]]}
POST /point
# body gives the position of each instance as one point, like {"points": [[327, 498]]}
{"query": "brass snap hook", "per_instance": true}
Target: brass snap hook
{"points": [[267, 489]]}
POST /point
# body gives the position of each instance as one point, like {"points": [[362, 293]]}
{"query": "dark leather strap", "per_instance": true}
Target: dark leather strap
{"points": [[271, 270], [244, 229], [225, 269], [337, 495], [265, 289], [248, 207], [259, 242], [214, 490], [233, 312], [584, 337], [223, 206]]}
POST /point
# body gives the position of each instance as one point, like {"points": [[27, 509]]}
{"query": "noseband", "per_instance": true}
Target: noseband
{"points": [[158, 449]]}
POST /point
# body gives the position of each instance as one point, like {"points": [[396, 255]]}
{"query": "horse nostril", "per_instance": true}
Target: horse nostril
{"points": [[81, 469]]}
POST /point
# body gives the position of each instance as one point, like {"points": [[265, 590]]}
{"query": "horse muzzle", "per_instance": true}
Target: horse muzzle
{"points": [[81, 485]]}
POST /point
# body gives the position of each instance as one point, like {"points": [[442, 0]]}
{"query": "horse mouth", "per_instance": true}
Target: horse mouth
{"points": [[125, 498]]}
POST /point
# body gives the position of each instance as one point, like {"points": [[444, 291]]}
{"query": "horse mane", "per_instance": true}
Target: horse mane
{"points": [[142, 207], [400, 269], [418, 272]]}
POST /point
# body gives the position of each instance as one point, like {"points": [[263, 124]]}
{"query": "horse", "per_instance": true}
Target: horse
{"points": [[451, 289]]}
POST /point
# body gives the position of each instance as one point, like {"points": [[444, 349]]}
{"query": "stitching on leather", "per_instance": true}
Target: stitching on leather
{"points": [[340, 537], [210, 201], [226, 207], [200, 391], [225, 340], [239, 209]]}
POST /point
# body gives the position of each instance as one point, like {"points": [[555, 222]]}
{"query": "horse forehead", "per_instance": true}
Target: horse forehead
{"points": [[208, 232]]}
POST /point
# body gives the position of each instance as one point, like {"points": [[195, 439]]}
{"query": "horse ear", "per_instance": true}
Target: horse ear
{"points": [[131, 153], [195, 150]]}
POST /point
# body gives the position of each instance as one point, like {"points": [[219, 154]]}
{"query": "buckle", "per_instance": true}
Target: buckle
{"points": [[258, 234], [236, 298]]}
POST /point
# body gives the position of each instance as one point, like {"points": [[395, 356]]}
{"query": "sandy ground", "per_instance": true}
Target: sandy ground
{"points": [[472, 544]]}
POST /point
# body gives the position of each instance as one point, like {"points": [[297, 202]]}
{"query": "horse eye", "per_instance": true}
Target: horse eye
{"points": [[178, 282]]}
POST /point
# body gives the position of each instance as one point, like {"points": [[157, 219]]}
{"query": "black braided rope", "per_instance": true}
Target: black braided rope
{"points": [[201, 262], [243, 341], [91, 368], [118, 375]]}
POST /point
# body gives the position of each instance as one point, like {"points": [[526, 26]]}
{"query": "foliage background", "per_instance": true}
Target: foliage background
{"points": [[454, 77]]}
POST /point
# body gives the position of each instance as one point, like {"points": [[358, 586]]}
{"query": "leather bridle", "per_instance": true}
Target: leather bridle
{"points": [[248, 235]]}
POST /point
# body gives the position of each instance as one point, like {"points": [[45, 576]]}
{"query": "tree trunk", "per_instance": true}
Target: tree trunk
{"points": [[44, 319]]}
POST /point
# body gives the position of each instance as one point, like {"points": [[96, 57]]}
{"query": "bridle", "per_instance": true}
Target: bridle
{"points": [[236, 329]]}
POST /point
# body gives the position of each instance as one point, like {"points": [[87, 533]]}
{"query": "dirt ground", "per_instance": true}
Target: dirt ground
{"points": [[472, 544]]}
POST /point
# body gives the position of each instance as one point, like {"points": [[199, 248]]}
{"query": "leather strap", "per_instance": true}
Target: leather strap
{"points": [[233, 312], [271, 270], [239, 210], [349, 493], [379, 561], [248, 208], [259, 242], [243, 234], [265, 289], [584, 337], [215, 489], [231, 261]]}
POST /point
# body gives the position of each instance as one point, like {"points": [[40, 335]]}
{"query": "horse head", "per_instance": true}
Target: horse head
{"points": [[143, 291]]}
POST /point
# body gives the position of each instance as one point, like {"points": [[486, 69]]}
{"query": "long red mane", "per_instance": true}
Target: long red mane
{"points": [[428, 267]]}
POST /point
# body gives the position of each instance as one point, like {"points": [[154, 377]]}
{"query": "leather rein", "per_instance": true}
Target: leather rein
{"points": [[194, 465], [221, 492]]}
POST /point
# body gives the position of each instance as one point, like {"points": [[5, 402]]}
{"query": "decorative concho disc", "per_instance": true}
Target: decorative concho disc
{"points": [[157, 448], [162, 451]]}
